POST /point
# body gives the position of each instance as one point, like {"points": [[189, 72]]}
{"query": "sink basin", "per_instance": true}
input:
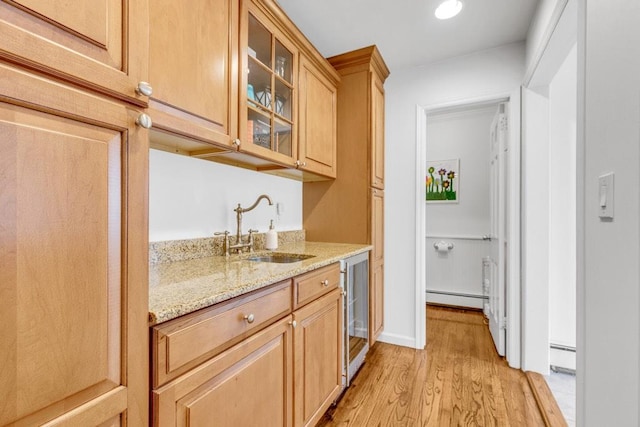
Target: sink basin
{"points": [[279, 257]]}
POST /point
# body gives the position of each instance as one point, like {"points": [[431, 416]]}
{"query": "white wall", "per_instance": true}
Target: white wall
{"points": [[191, 198], [460, 134], [483, 74], [609, 251], [562, 211]]}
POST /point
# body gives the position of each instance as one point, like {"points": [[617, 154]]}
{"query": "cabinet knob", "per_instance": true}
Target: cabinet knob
{"points": [[325, 282], [293, 323], [236, 142], [249, 318], [144, 121], [299, 163], [144, 88]]}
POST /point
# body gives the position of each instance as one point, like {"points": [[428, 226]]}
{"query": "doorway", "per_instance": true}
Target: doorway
{"points": [[466, 225]]}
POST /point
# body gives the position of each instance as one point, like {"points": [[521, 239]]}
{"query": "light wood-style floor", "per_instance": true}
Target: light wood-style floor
{"points": [[459, 380]]}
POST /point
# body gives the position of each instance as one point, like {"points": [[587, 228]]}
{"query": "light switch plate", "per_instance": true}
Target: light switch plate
{"points": [[606, 193]]}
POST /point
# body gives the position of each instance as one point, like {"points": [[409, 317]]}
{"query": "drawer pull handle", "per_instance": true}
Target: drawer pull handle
{"points": [[249, 318], [325, 282]]}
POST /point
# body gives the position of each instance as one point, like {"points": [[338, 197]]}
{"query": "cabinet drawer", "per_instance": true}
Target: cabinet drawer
{"points": [[249, 384], [188, 341], [311, 285]]}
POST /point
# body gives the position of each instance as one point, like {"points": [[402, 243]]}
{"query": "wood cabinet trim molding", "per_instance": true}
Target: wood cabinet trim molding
{"points": [[370, 56]]}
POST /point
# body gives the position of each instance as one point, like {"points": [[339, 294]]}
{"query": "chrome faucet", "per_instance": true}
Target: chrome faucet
{"points": [[240, 244]]}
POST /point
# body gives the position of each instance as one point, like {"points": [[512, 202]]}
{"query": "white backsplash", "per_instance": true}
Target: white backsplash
{"points": [[193, 198]]}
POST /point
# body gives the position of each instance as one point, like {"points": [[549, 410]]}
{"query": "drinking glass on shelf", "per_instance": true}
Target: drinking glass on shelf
{"points": [[281, 64]]}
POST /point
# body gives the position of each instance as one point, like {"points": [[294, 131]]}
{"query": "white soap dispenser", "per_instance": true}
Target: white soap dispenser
{"points": [[271, 238]]}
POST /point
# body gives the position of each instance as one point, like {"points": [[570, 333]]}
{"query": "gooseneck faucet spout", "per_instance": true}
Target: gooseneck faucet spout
{"points": [[239, 211]]}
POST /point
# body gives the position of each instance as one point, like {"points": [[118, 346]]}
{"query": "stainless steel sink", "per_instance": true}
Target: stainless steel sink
{"points": [[279, 257]]}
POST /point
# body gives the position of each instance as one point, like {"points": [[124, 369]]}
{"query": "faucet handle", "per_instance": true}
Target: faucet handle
{"points": [[226, 240], [251, 239]]}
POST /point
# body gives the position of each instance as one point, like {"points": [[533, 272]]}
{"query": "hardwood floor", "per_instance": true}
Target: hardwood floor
{"points": [[459, 380]]}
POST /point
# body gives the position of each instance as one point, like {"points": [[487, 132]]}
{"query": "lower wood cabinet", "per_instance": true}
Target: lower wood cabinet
{"points": [[318, 357], [247, 385], [286, 373], [376, 302]]}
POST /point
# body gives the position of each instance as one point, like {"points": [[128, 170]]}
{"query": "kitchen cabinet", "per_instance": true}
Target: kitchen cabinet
{"points": [[249, 384], [318, 357], [73, 250], [317, 137], [351, 208], [376, 291], [193, 57], [98, 44], [280, 72], [377, 132], [268, 112], [254, 110], [376, 301], [273, 354], [182, 344]]}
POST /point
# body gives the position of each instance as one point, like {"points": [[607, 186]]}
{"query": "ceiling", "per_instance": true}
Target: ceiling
{"points": [[406, 31]]}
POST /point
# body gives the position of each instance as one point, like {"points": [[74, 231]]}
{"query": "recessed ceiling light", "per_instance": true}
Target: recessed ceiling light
{"points": [[448, 9]]}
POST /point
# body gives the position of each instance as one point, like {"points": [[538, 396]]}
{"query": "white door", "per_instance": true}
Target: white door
{"points": [[497, 295]]}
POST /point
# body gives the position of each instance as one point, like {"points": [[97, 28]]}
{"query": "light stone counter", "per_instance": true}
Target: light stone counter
{"points": [[179, 288]]}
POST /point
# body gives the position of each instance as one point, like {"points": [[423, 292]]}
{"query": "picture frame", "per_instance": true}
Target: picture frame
{"points": [[442, 182]]}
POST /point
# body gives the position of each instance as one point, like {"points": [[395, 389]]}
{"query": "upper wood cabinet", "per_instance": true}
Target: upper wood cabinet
{"points": [[193, 51], [268, 87], [318, 119], [377, 132], [98, 44], [287, 96], [73, 250]]}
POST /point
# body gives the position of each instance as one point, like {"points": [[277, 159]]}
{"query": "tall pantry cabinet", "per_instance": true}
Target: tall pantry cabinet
{"points": [[351, 208], [73, 213]]}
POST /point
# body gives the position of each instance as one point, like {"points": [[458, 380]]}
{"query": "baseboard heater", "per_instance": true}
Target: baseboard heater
{"points": [[562, 369], [458, 294]]}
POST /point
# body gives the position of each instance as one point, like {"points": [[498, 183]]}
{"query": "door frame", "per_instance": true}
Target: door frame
{"points": [[513, 348]]}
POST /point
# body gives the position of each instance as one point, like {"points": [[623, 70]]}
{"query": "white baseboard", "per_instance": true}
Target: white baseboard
{"points": [[400, 340], [459, 301]]}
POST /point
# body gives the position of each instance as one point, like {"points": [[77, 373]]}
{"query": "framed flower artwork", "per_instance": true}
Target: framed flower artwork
{"points": [[443, 181]]}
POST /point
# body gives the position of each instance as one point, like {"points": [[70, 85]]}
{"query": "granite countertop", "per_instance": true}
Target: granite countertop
{"points": [[179, 288]]}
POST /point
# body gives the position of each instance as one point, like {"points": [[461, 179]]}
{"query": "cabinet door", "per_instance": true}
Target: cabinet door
{"points": [[376, 292], [100, 44], [248, 385], [268, 85], [193, 52], [377, 133], [377, 225], [376, 302], [318, 357], [317, 134], [73, 253]]}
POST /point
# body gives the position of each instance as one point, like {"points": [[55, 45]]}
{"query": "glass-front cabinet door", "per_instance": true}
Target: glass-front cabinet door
{"points": [[267, 92]]}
